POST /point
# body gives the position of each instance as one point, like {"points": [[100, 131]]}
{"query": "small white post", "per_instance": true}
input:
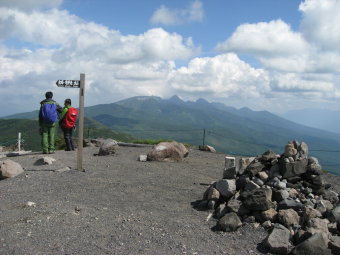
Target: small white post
{"points": [[19, 141]]}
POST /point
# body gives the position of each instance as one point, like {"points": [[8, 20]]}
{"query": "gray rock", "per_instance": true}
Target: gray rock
{"points": [[335, 214], [300, 236], [293, 169], [312, 160], [290, 150], [323, 206], [269, 214], [168, 152], [278, 240], [263, 176], [233, 205], [258, 181], [9, 169], [279, 195], [213, 194], [303, 150], [288, 217], [226, 187], [242, 181], [211, 204], [281, 185], [108, 147], [334, 244], [267, 224], [269, 155], [229, 222], [274, 171], [229, 173], [315, 168], [258, 199], [242, 164], [221, 211], [315, 245], [251, 186], [310, 213], [48, 160], [331, 196], [290, 203], [254, 168], [317, 225]]}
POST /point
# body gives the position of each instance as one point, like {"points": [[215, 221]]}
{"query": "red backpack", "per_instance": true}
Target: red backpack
{"points": [[70, 118]]}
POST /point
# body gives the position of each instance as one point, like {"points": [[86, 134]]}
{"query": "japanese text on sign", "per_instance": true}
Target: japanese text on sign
{"points": [[68, 83]]}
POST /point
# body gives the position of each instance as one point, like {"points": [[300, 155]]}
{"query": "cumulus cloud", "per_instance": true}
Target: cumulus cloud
{"points": [[28, 5], [167, 16], [314, 48], [116, 65], [321, 23], [224, 74], [265, 39]]}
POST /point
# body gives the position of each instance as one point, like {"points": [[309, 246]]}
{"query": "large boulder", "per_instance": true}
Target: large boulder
{"points": [[292, 169], [315, 245], [168, 152], [229, 222], [108, 147], [226, 187], [288, 217], [9, 169], [278, 240], [258, 199]]}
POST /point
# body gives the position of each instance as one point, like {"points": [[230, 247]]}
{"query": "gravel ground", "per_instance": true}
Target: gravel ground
{"points": [[118, 206]]}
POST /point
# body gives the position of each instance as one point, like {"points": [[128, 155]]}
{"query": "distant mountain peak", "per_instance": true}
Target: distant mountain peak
{"points": [[175, 100], [202, 101]]}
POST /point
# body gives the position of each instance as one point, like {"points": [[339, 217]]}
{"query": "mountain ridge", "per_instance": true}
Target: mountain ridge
{"points": [[230, 130]]}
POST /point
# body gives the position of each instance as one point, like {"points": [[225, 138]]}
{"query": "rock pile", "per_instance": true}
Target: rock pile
{"points": [[286, 193]]}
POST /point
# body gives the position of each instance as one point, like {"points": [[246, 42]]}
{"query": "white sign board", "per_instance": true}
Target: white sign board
{"points": [[68, 83]]}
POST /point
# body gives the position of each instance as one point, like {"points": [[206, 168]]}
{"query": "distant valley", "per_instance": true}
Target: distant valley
{"points": [[318, 118]]}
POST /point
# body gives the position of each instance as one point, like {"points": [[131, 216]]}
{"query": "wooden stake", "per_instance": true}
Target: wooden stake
{"points": [[81, 123]]}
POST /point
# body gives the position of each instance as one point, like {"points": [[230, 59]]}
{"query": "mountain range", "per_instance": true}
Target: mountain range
{"points": [[230, 130]]}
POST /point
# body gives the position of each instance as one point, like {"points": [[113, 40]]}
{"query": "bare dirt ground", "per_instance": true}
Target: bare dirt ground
{"points": [[118, 206]]}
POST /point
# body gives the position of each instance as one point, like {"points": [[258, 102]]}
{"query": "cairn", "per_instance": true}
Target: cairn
{"points": [[285, 193]]}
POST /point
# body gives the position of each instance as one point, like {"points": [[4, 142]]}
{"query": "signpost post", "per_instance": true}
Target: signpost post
{"points": [[81, 85]]}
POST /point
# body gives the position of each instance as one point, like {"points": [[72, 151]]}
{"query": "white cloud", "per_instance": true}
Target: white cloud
{"points": [[167, 16], [273, 43], [321, 23], [224, 75], [116, 65], [28, 5]]}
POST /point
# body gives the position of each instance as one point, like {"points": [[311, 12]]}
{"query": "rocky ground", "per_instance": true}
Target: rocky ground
{"points": [[118, 206]]}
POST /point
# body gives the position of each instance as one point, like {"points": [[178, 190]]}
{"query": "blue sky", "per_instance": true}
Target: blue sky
{"points": [[267, 55]]}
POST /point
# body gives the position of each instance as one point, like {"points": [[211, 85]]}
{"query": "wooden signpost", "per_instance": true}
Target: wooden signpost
{"points": [[81, 85]]}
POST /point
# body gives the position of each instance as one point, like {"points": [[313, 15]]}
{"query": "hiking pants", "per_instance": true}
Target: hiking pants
{"points": [[68, 139], [48, 137]]}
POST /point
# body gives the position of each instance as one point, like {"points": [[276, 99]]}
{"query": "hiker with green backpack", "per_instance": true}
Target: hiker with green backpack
{"points": [[68, 120], [48, 117]]}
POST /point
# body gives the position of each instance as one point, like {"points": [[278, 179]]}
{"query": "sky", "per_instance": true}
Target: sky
{"points": [[263, 54]]}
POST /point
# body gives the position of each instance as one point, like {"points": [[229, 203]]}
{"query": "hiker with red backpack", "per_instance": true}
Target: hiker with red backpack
{"points": [[67, 123], [48, 116]]}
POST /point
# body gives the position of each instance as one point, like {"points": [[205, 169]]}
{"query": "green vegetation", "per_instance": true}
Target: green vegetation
{"points": [[9, 129]]}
